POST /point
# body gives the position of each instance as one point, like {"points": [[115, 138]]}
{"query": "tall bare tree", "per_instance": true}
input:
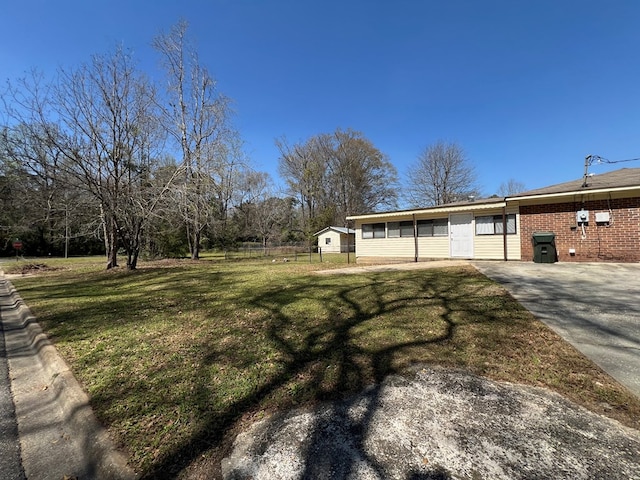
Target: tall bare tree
{"points": [[197, 117], [108, 113], [259, 213], [441, 174]]}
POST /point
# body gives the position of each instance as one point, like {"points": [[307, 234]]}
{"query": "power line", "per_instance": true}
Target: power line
{"points": [[599, 159], [589, 159]]}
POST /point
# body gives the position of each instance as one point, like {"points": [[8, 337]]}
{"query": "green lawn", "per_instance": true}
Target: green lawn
{"points": [[179, 356]]}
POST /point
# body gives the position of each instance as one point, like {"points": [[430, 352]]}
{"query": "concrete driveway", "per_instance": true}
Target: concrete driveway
{"points": [[594, 306]]}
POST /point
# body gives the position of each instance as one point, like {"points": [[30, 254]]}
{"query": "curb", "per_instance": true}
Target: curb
{"points": [[60, 437]]}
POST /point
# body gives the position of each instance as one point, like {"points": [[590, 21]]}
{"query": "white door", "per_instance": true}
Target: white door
{"points": [[461, 235]]}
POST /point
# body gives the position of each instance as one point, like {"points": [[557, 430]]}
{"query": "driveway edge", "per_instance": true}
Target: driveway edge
{"points": [[60, 437]]}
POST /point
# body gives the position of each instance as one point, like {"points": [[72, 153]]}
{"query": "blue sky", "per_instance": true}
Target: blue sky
{"points": [[526, 88]]}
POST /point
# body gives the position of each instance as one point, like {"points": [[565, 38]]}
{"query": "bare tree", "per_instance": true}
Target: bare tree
{"points": [[58, 207], [100, 120], [335, 175], [108, 115], [442, 174], [197, 117], [260, 213], [360, 177], [302, 167], [511, 187]]}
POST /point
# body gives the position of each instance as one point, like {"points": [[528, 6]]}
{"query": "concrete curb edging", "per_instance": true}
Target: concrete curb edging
{"points": [[60, 436]]}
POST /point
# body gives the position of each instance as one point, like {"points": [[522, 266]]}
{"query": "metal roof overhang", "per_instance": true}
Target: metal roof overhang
{"points": [[451, 209]]}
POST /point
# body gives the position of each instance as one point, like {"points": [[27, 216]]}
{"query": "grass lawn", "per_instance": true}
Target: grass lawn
{"points": [[179, 356]]}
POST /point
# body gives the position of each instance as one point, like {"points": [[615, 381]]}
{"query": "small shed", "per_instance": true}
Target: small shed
{"points": [[336, 240]]}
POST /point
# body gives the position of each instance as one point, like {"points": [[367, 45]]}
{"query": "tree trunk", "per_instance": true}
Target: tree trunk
{"points": [[195, 245], [110, 239], [132, 259], [112, 252]]}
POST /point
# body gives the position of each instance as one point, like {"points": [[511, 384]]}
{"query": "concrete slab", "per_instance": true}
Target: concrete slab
{"points": [[10, 459], [594, 306], [441, 424]]}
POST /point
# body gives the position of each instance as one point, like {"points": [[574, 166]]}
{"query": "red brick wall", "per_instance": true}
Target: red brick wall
{"points": [[617, 242]]}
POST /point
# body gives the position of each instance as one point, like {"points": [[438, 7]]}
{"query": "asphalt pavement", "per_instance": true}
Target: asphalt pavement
{"points": [[440, 424]]}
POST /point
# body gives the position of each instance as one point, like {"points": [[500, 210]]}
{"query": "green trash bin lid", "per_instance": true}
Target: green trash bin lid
{"points": [[543, 237]]}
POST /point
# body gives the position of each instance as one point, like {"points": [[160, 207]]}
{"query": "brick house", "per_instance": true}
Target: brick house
{"points": [[596, 218], [593, 220]]}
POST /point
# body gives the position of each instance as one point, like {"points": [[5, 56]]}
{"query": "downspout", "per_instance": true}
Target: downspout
{"points": [[504, 231], [415, 239]]}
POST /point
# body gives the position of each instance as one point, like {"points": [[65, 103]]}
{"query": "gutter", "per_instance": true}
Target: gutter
{"points": [[571, 193], [434, 210]]}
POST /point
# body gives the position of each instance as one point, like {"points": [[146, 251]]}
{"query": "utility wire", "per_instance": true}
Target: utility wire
{"points": [[599, 159], [589, 159]]}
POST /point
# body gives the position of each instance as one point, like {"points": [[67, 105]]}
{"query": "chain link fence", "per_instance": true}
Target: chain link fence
{"points": [[293, 253]]}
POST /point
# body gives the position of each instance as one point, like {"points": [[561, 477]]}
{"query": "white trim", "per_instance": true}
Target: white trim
{"points": [[572, 193], [341, 230], [462, 208]]}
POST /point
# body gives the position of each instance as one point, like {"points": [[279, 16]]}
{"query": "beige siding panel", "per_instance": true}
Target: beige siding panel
{"points": [[403, 247], [513, 248], [433, 247], [491, 247], [384, 247]]}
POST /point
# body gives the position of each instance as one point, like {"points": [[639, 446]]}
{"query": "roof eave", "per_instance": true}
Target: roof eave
{"points": [[573, 192], [423, 211]]}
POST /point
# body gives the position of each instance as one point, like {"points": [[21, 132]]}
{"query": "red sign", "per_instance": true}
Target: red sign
{"points": [[17, 245]]}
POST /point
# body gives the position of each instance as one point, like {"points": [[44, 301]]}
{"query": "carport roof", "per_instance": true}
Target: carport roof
{"points": [[625, 177]]}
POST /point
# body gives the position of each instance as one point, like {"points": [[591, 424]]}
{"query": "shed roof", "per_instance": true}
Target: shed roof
{"points": [[343, 230]]}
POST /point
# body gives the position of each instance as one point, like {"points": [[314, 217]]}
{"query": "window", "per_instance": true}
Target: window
{"points": [[433, 228], [440, 227], [406, 229], [400, 229], [327, 241], [492, 225], [373, 230]]}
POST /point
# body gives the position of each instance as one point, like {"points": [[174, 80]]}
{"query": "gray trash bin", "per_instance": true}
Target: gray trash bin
{"points": [[544, 247]]}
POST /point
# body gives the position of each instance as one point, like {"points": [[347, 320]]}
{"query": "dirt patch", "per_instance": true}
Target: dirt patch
{"points": [[28, 268], [441, 424]]}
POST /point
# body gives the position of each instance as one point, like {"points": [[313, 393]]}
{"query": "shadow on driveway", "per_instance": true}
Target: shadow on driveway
{"points": [[593, 306]]}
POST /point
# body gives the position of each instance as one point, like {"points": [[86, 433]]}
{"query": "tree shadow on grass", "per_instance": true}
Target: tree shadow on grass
{"points": [[327, 359]]}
